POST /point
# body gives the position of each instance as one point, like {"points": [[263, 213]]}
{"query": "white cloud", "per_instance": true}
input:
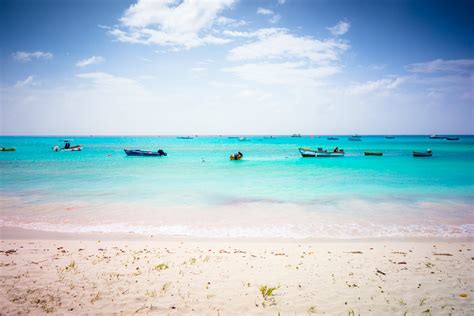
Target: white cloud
{"points": [[27, 82], [376, 86], [168, 23], [94, 60], [287, 73], [28, 56], [198, 69], [225, 21], [341, 28], [275, 19], [281, 2], [276, 43], [105, 80], [440, 65], [264, 11]]}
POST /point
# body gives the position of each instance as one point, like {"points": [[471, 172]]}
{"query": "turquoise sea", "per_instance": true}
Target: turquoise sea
{"points": [[273, 192]]}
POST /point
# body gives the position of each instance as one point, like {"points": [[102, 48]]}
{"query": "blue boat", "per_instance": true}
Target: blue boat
{"points": [[138, 152]]}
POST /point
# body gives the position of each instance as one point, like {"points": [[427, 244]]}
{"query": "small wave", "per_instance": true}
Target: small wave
{"points": [[327, 231]]}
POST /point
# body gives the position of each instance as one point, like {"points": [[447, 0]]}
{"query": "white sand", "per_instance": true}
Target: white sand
{"points": [[224, 277]]}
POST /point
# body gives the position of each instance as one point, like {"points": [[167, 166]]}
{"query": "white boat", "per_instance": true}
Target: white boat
{"points": [[307, 152], [67, 146]]}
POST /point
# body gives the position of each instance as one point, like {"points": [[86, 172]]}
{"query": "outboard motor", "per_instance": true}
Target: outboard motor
{"points": [[162, 153]]}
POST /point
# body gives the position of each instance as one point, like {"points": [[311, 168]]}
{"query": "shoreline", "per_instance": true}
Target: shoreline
{"points": [[16, 233]]}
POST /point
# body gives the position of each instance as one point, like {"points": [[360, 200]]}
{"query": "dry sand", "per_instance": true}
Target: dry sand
{"points": [[226, 277]]}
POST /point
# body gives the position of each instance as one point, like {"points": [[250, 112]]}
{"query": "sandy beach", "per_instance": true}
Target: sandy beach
{"points": [[235, 277]]}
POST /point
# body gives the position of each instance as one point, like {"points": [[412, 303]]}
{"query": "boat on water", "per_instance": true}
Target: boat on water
{"points": [[437, 137], [138, 152], [354, 139], [307, 152], [67, 146], [236, 156], [269, 137], [373, 153], [427, 153], [296, 135], [184, 137], [243, 139], [233, 137], [452, 138], [333, 138], [7, 149], [389, 137]]}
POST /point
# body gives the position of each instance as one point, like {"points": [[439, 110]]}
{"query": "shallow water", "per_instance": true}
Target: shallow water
{"points": [[273, 192]]}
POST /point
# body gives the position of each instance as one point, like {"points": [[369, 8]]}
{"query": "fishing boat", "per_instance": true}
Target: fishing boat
{"points": [[427, 153], [138, 152], [7, 149], [307, 152], [236, 156], [437, 137], [354, 139], [373, 153], [184, 137], [389, 137], [296, 135], [67, 146], [452, 138], [333, 138]]}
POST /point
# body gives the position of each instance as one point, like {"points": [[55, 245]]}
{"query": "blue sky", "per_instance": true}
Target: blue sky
{"points": [[236, 67]]}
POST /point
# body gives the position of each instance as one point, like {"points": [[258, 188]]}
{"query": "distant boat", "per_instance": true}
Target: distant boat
{"points": [[236, 156], [354, 139], [307, 152], [244, 139], [373, 153], [7, 149], [138, 152], [184, 137], [269, 137], [232, 137], [389, 137], [67, 146], [296, 135], [452, 138], [333, 138], [427, 153], [437, 137]]}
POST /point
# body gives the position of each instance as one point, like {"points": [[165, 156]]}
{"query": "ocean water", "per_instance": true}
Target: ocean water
{"points": [[273, 192]]}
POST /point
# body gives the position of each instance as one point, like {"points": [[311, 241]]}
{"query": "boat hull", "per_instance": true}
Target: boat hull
{"points": [[142, 153], [373, 153], [422, 154], [309, 153]]}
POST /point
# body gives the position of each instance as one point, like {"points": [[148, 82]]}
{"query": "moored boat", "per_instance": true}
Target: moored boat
{"points": [[67, 146], [138, 152], [373, 153], [307, 152], [333, 138], [427, 153], [389, 137], [236, 156], [7, 149], [296, 135], [184, 137], [452, 138], [437, 137]]}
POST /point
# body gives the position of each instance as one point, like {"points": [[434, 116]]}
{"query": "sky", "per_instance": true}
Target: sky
{"points": [[211, 67]]}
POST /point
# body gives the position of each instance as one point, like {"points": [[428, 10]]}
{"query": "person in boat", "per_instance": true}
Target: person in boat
{"points": [[67, 145], [336, 149], [236, 156], [161, 152]]}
